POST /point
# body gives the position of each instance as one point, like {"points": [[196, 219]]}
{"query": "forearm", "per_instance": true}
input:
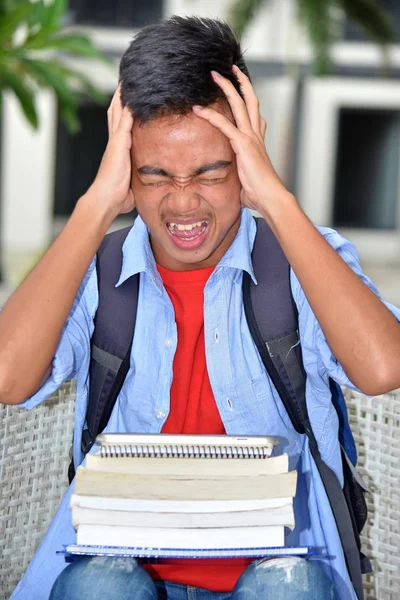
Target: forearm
{"points": [[362, 333], [32, 319]]}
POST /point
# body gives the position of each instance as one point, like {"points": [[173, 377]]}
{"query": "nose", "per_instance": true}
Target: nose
{"points": [[183, 200]]}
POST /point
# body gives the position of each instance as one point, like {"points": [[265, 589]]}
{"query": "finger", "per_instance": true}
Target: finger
{"points": [[263, 128], [219, 121], [250, 97], [109, 125], [235, 101], [125, 122], [114, 112], [109, 114]]}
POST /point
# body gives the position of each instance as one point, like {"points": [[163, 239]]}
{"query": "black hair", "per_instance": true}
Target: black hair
{"points": [[166, 69]]}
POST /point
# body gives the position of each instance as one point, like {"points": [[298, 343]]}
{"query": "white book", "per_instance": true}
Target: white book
{"points": [[265, 517], [176, 506], [201, 467], [211, 538], [182, 487]]}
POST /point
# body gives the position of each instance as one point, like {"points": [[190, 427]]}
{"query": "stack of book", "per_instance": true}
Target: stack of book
{"points": [[187, 495]]}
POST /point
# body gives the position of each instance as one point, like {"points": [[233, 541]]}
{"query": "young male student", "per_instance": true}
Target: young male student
{"points": [[187, 150]]}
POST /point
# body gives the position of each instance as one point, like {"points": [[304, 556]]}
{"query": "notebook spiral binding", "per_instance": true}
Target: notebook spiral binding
{"points": [[173, 451]]}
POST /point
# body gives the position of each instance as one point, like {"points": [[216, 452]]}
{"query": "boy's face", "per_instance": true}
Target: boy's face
{"points": [[186, 189]]}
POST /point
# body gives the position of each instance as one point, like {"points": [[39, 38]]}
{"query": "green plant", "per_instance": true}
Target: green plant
{"points": [[319, 17], [32, 43]]}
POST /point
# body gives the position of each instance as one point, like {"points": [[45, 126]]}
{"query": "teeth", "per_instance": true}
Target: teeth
{"points": [[188, 227], [180, 227]]}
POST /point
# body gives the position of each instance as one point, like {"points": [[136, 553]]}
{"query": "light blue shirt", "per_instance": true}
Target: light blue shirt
{"points": [[246, 399]]}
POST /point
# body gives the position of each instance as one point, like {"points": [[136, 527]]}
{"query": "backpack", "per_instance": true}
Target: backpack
{"points": [[273, 322]]}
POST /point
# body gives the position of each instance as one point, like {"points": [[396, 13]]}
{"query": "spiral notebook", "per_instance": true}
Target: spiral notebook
{"points": [[184, 446], [152, 555]]}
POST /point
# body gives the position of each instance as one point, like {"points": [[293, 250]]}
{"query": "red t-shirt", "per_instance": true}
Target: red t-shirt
{"points": [[193, 410]]}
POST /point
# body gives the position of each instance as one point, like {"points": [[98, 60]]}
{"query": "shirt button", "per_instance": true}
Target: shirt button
{"points": [[160, 414], [168, 342]]}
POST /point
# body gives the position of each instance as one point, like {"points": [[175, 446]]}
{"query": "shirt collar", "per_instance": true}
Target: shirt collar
{"points": [[137, 255], [238, 255]]}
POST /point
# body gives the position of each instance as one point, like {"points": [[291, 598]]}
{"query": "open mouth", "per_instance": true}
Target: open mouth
{"points": [[188, 235]]}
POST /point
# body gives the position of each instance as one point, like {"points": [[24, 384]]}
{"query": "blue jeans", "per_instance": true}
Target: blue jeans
{"points": [[124, 579]]}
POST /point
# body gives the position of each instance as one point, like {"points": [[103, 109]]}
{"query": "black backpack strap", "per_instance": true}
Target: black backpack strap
{"points": [[273, 322], [112, 337]]}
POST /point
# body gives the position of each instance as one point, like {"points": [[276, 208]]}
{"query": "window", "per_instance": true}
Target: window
{"points": [[367, 169], [78, 156], [116, 13]]}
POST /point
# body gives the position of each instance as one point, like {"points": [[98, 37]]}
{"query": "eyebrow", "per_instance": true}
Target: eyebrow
{"points": [[219, 164]]}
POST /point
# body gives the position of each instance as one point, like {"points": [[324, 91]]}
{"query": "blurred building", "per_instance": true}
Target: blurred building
{"points": [[335, 141]]}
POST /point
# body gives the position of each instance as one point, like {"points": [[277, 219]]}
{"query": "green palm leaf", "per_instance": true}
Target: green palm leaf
{"points": [[49, 74], [76, 79], [10, 79], [67, 84], [71, 43], [369, 15], [52, 16], [242, 12], [318, 18], [69, 116], [45, 22], [11, 20], [24, 68], [36, 16]]}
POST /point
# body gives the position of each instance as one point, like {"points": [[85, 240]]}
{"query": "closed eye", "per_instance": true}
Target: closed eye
{"points": [[212, 180], [155, 183]]}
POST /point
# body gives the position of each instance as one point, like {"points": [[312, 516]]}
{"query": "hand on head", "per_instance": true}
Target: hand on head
{"points": [[113, 180], [260, 182]]}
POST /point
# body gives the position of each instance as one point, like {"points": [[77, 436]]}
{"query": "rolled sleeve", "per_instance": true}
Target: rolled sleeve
{"points": [[73, 351], [327, 364]]}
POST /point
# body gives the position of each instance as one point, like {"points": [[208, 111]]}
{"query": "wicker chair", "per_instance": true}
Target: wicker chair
{"points": [[34, 461]]}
